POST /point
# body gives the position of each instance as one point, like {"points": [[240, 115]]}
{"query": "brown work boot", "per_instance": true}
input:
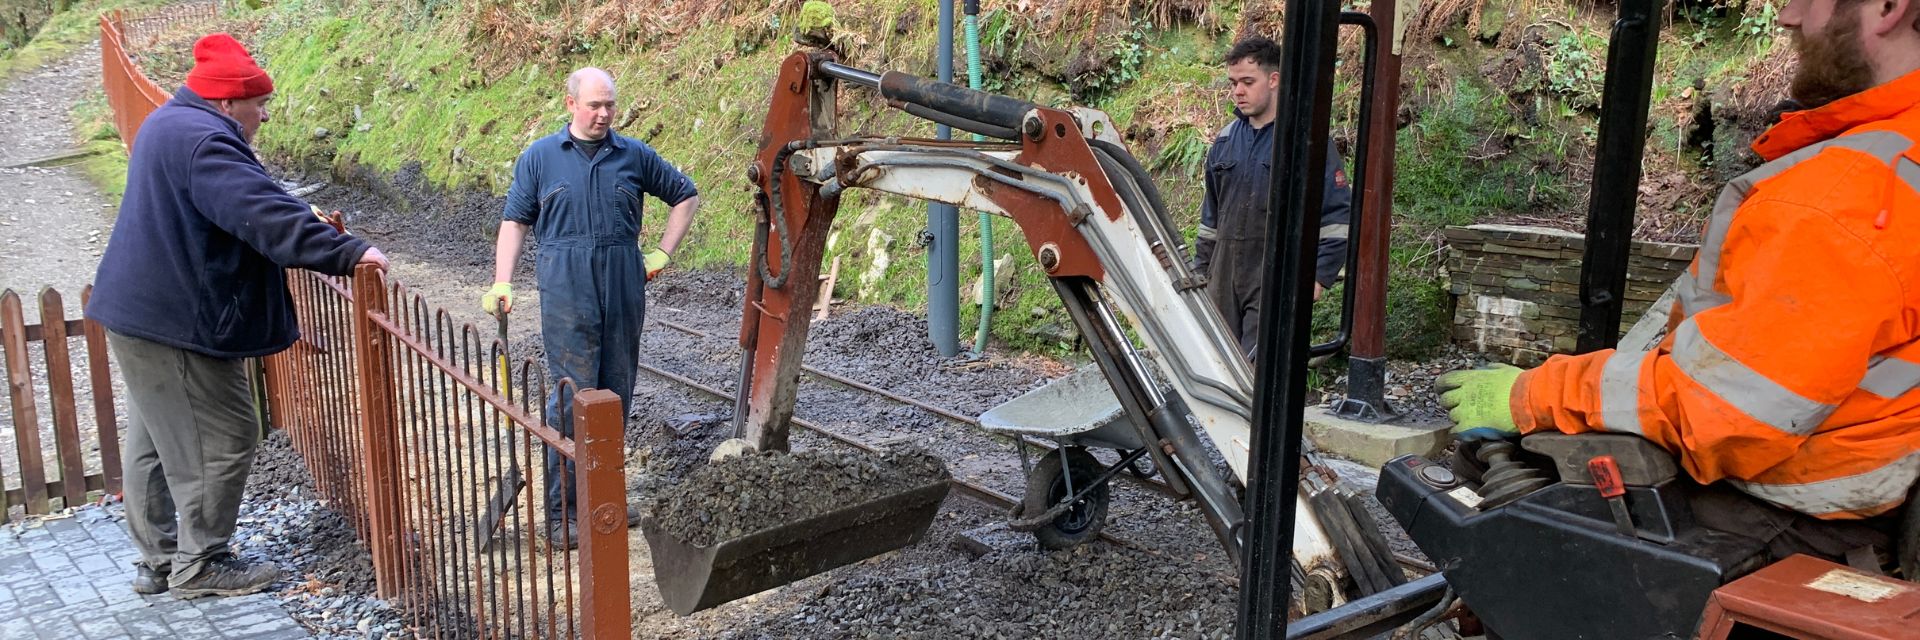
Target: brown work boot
{"points": [[227, 575], [149, 581]]}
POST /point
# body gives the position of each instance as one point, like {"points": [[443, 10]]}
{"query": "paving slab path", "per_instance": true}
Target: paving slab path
{"points": [[67, 578]]}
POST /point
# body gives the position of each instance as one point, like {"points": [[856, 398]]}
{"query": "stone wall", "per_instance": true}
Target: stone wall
{"points": [[1516, 288]]}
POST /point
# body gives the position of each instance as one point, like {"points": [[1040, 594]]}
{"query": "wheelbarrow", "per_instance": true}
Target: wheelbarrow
{"points": [[1067, 490], [693, 577]]}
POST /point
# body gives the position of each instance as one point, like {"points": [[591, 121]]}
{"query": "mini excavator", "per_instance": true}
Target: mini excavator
{"points": [[1535, 539]]}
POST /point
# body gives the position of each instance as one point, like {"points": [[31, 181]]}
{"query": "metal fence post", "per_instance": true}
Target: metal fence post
{"points": [[378, 431], [599, 459]]}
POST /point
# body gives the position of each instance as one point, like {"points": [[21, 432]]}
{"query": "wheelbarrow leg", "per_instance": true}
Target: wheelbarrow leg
{"points": [[1020, 444]]}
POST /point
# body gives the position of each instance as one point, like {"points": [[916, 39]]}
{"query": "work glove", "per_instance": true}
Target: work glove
{"points": [[333, 221], [1480, 402], [498, 300], [656, 260]]}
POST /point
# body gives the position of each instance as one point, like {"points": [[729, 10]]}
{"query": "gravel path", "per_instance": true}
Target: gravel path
{"points": [[53, 222], [53, 226]]}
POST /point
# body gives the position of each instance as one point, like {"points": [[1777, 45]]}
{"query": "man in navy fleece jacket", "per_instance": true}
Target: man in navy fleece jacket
{"points": [[193, 283]]}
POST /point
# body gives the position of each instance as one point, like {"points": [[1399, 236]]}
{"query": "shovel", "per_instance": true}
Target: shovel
{"points": [[512, 481]]}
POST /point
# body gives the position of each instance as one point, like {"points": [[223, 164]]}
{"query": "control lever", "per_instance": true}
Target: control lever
{"points": [[1606, 478]]}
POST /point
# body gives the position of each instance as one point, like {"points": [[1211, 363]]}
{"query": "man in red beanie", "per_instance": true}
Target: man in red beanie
{"points": [[191, 285]]}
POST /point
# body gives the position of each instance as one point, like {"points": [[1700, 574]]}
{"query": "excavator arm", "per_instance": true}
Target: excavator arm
{"points": [[1094, 223]]}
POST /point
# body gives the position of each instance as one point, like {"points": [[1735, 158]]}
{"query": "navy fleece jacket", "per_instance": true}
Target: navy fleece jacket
{"points": [[197, 256]]}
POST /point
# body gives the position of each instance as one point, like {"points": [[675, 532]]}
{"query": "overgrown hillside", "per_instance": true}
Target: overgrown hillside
{"points": [[1498, 120]]}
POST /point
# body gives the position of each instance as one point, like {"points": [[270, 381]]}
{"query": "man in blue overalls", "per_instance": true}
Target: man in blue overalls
{"points": [[579, 190], [1231, 247]]}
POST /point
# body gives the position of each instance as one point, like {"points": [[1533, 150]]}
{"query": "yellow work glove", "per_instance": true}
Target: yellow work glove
{"points": [[656, 260], [498, 300], [1480, 402]]}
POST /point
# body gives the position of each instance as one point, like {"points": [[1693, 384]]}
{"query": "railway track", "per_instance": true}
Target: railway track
{"points": [[1147, 482]]}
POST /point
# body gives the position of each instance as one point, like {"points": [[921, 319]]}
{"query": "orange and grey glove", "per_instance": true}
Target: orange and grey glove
{"points": [[1480, 402], [656, 260], [498, 300]]}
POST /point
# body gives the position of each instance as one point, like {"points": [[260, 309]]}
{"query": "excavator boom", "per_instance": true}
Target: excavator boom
{"points": [[1094, 223]]}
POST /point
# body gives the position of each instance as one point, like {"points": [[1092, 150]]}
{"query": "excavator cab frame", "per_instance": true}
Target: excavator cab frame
{"points": [[1599, 542]]}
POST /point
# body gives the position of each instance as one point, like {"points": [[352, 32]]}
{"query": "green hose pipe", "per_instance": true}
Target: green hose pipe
{"points": [[986, 219]]}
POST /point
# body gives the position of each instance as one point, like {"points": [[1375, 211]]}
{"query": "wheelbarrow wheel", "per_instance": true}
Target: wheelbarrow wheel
{"points": [[1047, 487]]}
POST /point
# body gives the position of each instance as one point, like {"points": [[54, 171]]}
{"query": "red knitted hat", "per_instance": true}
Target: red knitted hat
{"points": [[222, 69]]}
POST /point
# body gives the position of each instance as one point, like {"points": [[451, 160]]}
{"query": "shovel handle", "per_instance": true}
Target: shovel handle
{"points": [[505, 373]]}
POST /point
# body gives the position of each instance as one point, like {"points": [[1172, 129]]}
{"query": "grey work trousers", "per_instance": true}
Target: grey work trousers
{"points": [[190, 443]]}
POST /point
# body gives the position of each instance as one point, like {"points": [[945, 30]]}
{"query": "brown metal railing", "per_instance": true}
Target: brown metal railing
{"points": [[73, 452], [132, 95], [411, 426], [312, 394]]}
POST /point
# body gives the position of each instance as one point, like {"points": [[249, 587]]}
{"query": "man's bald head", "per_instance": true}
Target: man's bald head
{"points": [[587, 77], [590, 100]]}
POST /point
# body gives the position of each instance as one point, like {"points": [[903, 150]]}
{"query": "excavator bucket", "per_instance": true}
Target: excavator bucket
{"points": [[692, 577]]}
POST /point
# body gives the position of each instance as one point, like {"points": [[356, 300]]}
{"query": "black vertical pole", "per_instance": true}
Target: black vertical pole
{"points": [[1299, 170], [1616, 172]]}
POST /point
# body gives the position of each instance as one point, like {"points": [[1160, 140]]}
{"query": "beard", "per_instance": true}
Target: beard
{"points": [[1833, 64]]}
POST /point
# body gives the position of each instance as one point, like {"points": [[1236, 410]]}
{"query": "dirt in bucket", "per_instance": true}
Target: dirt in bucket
{"points": [[744, 494]]}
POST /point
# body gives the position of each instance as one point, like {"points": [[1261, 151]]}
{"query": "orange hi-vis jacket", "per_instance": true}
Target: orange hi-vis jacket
{"points": [[1791, 369]]}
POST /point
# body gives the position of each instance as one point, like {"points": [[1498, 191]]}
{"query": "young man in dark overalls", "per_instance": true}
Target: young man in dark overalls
{"points": [[1231, 247]]}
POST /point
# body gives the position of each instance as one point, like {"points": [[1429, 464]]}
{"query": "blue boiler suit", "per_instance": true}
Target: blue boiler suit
{"points": [[585, 219], [1231, 247]]}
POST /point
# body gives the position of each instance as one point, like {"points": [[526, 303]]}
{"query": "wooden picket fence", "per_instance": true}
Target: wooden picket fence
{"points": [[55, 335]]}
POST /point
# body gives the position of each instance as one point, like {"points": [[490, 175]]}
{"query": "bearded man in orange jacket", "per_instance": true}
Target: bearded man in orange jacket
{"points": [[1791, 369]]}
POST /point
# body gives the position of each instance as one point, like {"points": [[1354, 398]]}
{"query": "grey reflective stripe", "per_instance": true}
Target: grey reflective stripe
{"points": [[1695, 298], [1333, 231], [1908, 171], [1620, 392], [1891, 377], [1879, 487], [1753, 394], [1882, 145], [1207, 232]]}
